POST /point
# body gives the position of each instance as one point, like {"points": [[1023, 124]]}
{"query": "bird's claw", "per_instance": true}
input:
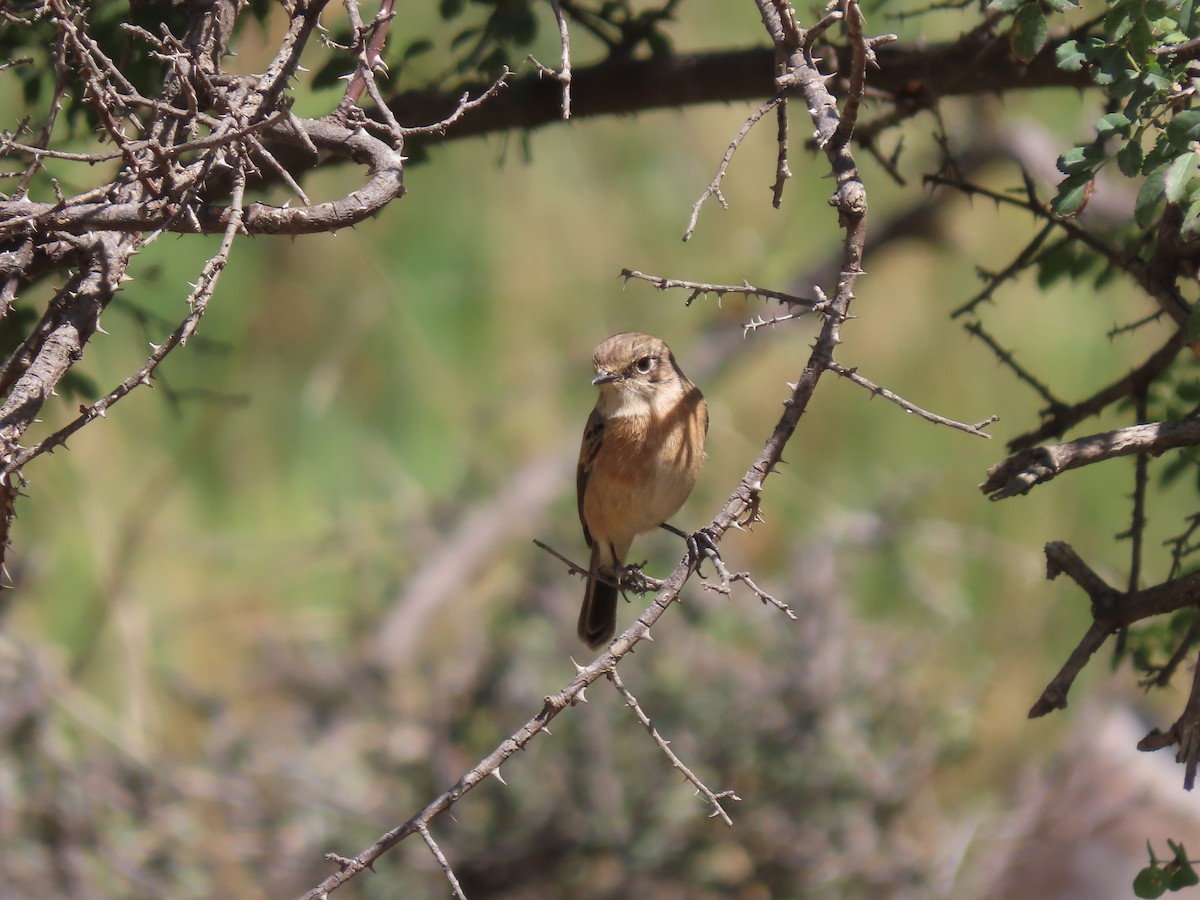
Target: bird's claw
{"points": [[633, 579], [702, 545]]}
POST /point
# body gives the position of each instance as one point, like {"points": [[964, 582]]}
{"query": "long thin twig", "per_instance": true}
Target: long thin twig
{"points": [[665, 746], [1061, 417], [853, 376], [700, 288], [441, 861], [1007, 359]]}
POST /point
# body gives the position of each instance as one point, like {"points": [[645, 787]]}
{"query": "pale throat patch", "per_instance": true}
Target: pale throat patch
{"points": [[620, 402]]}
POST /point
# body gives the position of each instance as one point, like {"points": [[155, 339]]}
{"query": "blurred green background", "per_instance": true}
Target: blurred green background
{"points": [[281, 601]]}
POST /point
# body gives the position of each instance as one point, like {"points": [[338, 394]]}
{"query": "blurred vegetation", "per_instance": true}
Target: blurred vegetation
{"points": [[272, 607]]}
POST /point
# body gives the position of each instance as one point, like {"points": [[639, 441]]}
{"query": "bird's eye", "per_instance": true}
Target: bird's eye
{"points": [[645, 364]]}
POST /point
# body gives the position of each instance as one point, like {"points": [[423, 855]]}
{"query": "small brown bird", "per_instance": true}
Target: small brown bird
{"points": [[642, 450]]}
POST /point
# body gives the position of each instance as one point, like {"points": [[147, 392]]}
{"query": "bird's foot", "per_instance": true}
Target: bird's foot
{"points": [[702, 545], [634, 579]]}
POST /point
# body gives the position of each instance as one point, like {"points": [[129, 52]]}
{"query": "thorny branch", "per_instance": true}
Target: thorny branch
{"points": [[700, 289], [1061, 417], [563, 75], [741, 509], [186, 159], [714, 187]]}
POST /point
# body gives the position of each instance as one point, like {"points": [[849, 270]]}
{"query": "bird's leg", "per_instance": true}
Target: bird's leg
{"points": [[701, 545]]}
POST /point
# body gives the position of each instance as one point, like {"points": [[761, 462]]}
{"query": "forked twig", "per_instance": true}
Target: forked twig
{"points": [[729, 578], [714, 187], [563, 75]]}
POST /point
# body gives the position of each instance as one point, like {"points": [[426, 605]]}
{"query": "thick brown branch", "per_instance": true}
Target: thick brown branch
{"points": [[386, 183], [1111, 611], [1021, 472], [971, 65]]}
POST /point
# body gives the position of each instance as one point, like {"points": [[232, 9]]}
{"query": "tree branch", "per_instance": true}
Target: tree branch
{"points": [[968, 66], [1022, 471], [1111, 610]]}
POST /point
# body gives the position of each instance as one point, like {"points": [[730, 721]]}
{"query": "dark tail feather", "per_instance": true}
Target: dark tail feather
{"points": [[598, 615]]}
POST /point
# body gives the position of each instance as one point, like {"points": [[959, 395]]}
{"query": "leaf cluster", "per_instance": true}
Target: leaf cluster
{"points": [[1149, 131], [1161, 876]]}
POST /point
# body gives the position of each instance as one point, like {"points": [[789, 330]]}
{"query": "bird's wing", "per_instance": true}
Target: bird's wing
{"points": [[592, 434]]}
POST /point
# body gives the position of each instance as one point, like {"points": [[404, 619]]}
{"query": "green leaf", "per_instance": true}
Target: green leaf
{"points": [[1179, 176], [1188, 391], [1179, 870], [1129, 157], [1117, 21], [1069, 57], [1059, 6], [1188, 20], [1156, 78], [1113, 123], [1191, 219], [448, 9], [1149, 196], [1184, 876], [1112, 63], [1029, 31], [1168, 474], [1083, 158], [1150, 883], [1055, 263], [1140, 38], [1073, 193], [1184, 127], [418, 47], [1194, 323], [1106, 276], [1004, 6]]}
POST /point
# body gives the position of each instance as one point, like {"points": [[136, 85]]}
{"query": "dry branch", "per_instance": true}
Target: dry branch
{"points": [[1021, 472], [1111, 610]]}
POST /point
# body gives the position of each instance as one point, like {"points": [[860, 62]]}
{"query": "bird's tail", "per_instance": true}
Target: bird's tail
{"points": [[598, 615]]}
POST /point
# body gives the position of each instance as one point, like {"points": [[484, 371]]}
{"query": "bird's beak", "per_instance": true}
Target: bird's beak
{"points": [[605, 378]]}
